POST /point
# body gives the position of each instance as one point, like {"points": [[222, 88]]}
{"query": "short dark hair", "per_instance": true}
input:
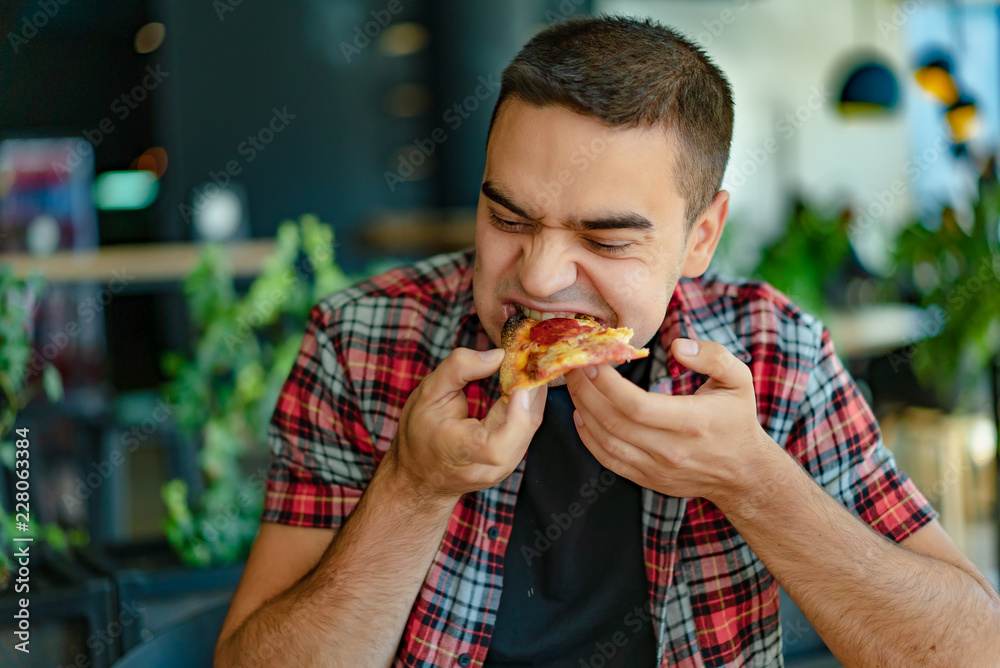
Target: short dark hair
{"points": [[633, 73]]}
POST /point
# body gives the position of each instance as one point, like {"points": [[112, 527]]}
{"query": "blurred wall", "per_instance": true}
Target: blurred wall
{"points": [[786, 62], [367, 129]]}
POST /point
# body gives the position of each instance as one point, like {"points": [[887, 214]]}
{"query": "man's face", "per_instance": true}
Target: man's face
{"points": [[575, 217]]}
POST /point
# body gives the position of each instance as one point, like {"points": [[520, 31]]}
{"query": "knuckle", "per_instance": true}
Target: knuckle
{"points": [[721, 363], [458, 354], [465, 477], [614, 448], [480, 439], [610, 423], [493, 459], [675, 457], [464, 454], [693, 429], [640, 411]]}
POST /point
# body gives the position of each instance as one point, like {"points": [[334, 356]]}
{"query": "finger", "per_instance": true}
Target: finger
{"points": [[609, 389], [508, 427], [523, 416], [617, 434], [607, 459], [713, 360], [459, 368]]}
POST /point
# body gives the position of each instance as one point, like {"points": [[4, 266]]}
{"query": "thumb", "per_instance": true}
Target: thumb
{"points": [[519, 417], [713, 360], [461, 367]]}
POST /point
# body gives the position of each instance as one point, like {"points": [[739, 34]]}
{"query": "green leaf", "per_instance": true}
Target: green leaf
{"points": [[8, 454], [226, 385], [52, 383]]}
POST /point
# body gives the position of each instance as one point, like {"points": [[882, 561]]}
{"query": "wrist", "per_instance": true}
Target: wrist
{"points": [[403, 484], [757, 485]]}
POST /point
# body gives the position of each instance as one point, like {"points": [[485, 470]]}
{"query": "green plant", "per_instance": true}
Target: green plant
{"points": [[227, 386], [803, 261], [956, 271], [17, 298]]}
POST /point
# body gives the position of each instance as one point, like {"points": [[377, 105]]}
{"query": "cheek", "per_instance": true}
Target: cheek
{"points": [[635, 287], [640, 297], [497, 249], [496, 265]]}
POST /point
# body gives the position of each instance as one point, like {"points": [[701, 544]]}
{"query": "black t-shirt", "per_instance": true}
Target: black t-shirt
{"points": [[575, 591]]}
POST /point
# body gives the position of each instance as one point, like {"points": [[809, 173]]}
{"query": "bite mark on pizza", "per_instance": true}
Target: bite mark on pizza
{"points": [[537, 352]]}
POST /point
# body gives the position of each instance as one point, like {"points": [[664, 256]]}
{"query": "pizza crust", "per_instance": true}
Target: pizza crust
{"points": [[537, 353]]}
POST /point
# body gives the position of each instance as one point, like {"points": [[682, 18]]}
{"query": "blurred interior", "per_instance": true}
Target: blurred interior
{"points": [[164, 164]]}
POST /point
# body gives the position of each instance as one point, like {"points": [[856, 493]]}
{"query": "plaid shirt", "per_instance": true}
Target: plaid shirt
{"points": [[713, 602]]}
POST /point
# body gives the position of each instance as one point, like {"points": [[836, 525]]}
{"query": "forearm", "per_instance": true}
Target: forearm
{"points": [[350, 610], [874, 603]]}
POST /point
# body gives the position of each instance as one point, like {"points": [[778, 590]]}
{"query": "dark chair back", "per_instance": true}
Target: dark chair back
{"points": [[189, 644]]}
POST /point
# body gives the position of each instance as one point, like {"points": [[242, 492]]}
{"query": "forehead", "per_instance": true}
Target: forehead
{"points": [[559, 163]]}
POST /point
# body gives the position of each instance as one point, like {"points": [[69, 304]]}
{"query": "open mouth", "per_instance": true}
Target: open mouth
{"points": [[547, 315]]}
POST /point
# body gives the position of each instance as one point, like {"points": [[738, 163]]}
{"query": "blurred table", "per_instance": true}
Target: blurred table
{"points": [[136, 262], [879, 328], [421, 232]]}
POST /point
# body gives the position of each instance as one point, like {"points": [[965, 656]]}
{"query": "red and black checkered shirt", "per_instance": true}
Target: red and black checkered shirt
{"points": [[713, 602]]}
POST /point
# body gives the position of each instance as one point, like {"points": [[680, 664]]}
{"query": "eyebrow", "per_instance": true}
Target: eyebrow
{"points": [[502, 196], [624, 220]]}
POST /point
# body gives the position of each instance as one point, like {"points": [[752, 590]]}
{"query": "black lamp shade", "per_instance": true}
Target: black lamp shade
{"points": [[870, 87]]}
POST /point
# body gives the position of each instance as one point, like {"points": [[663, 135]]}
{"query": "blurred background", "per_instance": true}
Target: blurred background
{"points": [[181, 181]]}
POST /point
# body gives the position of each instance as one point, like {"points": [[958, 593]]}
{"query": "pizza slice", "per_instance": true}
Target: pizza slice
{"points": [[540, 351]]}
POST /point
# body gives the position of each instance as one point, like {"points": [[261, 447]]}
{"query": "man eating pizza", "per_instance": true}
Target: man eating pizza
{"points": [[642, 514]]}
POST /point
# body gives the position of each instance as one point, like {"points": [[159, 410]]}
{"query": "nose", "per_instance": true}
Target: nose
{"points": [[546, 266]]}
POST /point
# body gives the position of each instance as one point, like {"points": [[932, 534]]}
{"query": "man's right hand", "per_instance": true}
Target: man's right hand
{"points": [[441, 451]]}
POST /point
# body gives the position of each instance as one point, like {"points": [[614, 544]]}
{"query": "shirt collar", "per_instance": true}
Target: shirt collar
{"points": [[692, 315]]}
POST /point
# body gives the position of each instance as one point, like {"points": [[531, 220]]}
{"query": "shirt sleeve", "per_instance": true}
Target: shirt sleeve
{"points": [[321, 452], [837, 439]]}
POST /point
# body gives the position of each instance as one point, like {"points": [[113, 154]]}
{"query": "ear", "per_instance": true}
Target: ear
{"points": [[704, 236]]}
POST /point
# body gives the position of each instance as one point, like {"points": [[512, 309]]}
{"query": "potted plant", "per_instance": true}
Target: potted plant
{"points": [[59, 591], [954, 269], [227, 387], [17, 298], [223, 391]]}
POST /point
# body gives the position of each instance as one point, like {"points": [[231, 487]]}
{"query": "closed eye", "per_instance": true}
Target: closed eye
{"points": [[507, 225], [612, 249], [511, 226]]}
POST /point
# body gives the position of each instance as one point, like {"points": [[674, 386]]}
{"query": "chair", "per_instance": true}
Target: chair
{"points": [[189, 644]]}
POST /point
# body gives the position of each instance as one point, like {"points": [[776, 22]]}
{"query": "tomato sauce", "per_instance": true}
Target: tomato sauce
{"points": [[553, 330]]}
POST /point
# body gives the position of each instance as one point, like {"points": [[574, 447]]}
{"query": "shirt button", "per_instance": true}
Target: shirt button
{"points": [[464, 660], [492, 532]]}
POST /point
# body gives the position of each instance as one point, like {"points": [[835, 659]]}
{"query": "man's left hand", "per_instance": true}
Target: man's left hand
{"points": [[708, 445]]}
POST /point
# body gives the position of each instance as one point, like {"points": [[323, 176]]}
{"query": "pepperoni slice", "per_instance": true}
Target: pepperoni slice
{"points": [[550, 331]]}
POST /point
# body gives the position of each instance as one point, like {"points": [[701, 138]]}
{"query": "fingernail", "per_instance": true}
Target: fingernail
{"points": [[492, 356], [590, 371], [687, 347], [526, 396], [577, 419]]}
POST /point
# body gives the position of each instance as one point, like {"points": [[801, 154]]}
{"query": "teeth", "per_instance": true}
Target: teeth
{"points": [[530, 313], [546, 315]]}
